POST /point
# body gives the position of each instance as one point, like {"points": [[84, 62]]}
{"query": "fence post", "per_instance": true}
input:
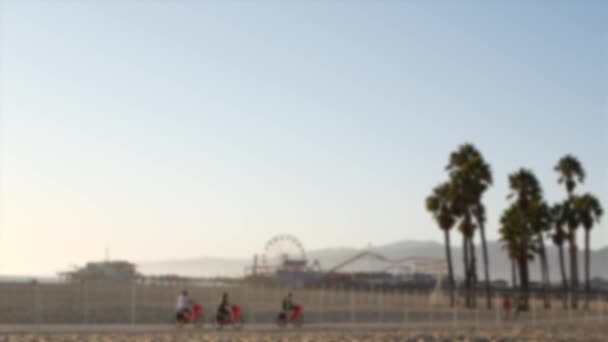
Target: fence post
{"points": [[570, 306], [374, 297], [393, 301], [85, 303], [585, 307], [321, 290], [405, 307], [352, 305], [252, 289], [432, 309], [602, 305], [381, 300], [248, 303], [34, 302], [497, 307], [262, 296], [344, 302], [455, 314], [533, 309], [553, 308], [40, 299], [476, 308], [133, 300]]}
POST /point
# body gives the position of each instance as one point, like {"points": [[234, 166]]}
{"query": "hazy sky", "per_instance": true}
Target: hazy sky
{"points": [[173, 129]]}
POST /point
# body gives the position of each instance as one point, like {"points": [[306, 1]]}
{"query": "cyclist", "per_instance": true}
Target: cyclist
{"points": [[223, 308], [183, 305]]}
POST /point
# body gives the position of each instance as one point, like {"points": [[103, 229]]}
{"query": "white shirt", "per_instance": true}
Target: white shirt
{"points": [[182, 302]]}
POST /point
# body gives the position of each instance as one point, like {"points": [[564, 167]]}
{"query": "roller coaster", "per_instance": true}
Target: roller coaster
{"points": [[402, 265], [285, 253]]}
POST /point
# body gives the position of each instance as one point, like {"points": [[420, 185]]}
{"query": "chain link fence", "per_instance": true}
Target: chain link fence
{"points": [[98, 302]]}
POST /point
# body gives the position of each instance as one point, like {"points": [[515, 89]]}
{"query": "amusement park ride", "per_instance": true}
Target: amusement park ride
{"points": [[283, 252], [284, 255]]}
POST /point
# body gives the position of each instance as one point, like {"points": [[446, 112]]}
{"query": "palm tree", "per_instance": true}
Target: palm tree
{"points": [[590, 211], [482, 175], [559, 237], [461, 199], [517, 236], [438, 204], [541, 223], [570, 173], [472, 176], [467, 229], [512, 253], [572, 219], [527, 192], [513, 273], [525, 187], [462, 155]]}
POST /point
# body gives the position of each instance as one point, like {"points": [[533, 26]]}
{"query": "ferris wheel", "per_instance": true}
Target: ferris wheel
{"points": [[282, 248]]}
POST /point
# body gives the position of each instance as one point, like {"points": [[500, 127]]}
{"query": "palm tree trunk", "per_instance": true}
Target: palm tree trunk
{"points": [[523, 281], [448, 256], [473, 272], [573, 270], [562, 266], [544, 271], [587, 261], [486, 264], [465, 266], [513, 274]]}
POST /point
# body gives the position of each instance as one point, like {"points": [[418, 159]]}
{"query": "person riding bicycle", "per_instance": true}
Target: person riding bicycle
{"points": [[223, 308], [520, 304], [183, 305], [288, 305]]}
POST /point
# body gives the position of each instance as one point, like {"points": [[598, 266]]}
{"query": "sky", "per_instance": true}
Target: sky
{"points": [[176, 129]]}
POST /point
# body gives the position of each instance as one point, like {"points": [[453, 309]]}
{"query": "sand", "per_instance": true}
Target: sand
{"points": [[562, 333]]}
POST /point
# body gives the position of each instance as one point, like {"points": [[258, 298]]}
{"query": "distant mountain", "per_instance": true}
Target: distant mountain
{"points": [[500, 266]]}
